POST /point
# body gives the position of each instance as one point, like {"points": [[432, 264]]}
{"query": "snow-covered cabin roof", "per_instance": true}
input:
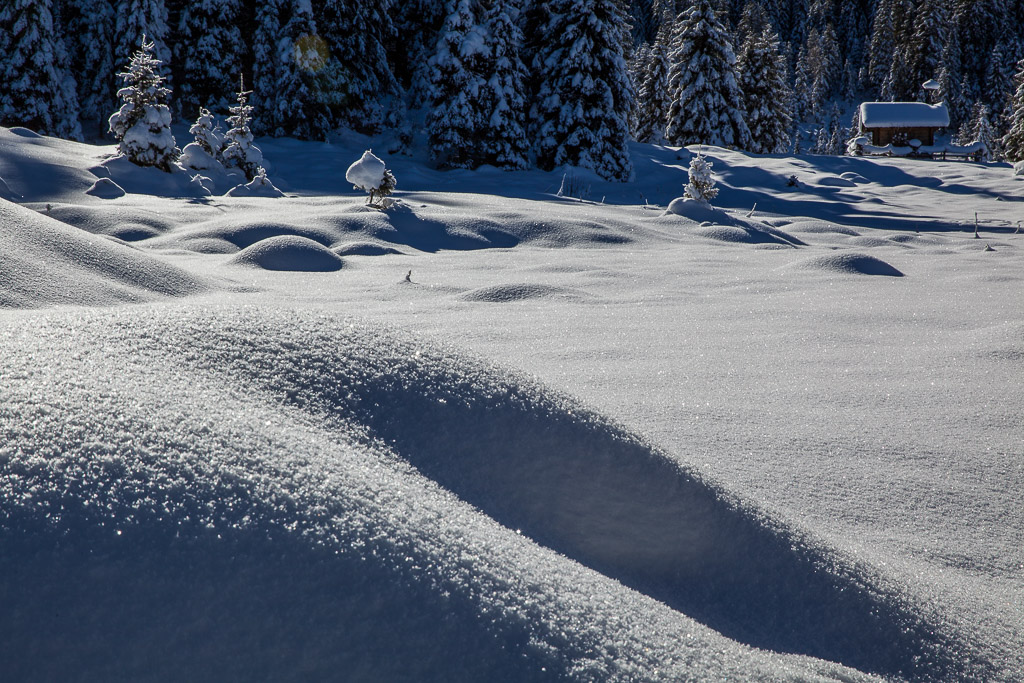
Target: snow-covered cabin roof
{"points": [[903, 115]]}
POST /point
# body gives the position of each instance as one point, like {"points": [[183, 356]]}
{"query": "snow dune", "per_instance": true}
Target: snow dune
{"points": [[45, 262], [212, 482]]}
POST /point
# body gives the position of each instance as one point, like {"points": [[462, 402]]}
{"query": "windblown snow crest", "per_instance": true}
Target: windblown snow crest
{"points": [[378, 508]]}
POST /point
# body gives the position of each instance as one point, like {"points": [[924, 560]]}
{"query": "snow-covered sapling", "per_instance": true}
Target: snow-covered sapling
{"points": [[239, 152], [206, 151], [142, 125], [701, 186], [206, 135], [370, 175]]}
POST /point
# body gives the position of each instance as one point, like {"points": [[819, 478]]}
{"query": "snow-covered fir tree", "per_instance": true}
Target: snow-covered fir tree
{"points": [[1013, 141], [458, 87], [36, 91], [89, 33], [766, 95], [707, 104], [266, 29], [505, 143], [837, 137], [238, 150], [415, 26], [142, 126], [702, 185], [208, 53], [298, 109], [980, 129], [882, 44], [581, 108], [653, 97], [135, 19], [931, 22], [357, 80]]}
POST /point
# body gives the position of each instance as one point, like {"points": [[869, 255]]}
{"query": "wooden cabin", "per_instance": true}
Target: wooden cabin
{"points": [[904, 121]]}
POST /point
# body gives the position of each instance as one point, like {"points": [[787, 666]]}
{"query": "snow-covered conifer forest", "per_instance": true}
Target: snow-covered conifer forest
{"points": [[511, 340], [491, 81]]}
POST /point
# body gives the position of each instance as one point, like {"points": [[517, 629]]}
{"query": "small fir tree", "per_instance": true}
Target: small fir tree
{"points": [[142, 126], [701, 186], [206, 135], [138, 20], [981, 130], [239, 152]]}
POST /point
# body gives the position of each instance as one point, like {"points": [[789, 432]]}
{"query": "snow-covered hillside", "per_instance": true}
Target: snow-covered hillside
{"points": [[494, 433]]}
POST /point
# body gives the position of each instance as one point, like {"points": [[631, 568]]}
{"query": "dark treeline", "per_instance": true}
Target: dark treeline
{"points": [[519, 82]]}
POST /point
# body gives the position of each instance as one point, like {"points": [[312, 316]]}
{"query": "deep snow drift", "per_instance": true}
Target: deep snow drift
{"points": [[772, 443]]}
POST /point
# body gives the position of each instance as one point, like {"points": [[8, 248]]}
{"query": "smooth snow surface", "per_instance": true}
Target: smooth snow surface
{"points": [[510, 436]]}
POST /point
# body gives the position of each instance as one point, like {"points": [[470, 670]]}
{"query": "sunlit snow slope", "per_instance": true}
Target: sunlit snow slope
{"points": [[233, 446]]}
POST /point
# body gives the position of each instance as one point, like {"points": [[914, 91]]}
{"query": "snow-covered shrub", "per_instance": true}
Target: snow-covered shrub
{"points": [[205, 152], [205, 133], [701, 186], [142, 125], [239, 152], [370, 175], [259, 186]]}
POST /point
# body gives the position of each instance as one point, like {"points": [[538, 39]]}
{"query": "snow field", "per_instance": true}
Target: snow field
{"points": [[828, 464]]}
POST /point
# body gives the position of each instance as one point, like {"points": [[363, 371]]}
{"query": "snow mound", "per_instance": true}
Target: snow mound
{"points": [[820, 227], [1018, 168], [105, 188], [148, 180], [718, 225], [189, 486], [871, 241], [260, 186], [699, 212], [364, 249], [519, 292], [856, 178], [24, 132], [834, 181], [129, 223], [289, 252], [742, 234], [851, 263], [44, 262], [193, 156]]}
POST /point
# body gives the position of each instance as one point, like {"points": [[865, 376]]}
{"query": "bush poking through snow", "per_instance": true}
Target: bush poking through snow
{"points": [[370, 175], [701, 186], [142, 125]]}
